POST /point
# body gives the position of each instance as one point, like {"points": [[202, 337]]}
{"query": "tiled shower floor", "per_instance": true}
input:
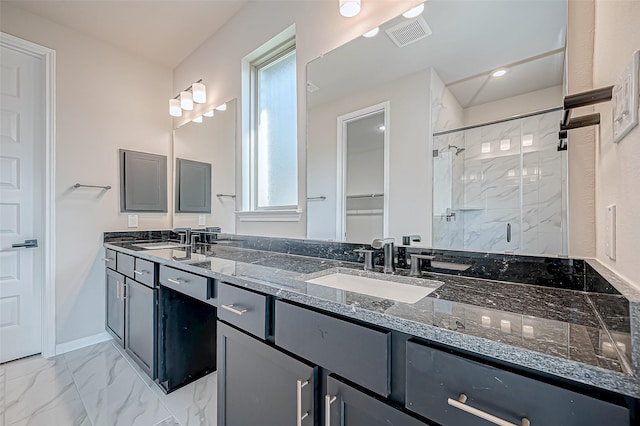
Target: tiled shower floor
{"points": [[100, 386]]}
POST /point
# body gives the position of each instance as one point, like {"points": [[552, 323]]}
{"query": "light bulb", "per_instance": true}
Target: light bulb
{"points": [[199, 93], [349, 8], [500, 72], [186, 101], [198, 119], [174, 108], [222, 107], [371, 33], [413, 12], [208, 114]]}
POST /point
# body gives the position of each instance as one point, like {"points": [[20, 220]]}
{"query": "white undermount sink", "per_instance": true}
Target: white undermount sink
{"points": [[159, 245], [405, 293]]}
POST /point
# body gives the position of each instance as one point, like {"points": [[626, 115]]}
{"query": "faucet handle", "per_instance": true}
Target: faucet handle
{"points": [[368, 258], [416, 263], [406, 239]]}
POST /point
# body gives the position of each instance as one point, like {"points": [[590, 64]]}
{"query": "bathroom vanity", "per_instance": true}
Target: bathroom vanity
{"points": [[298, 342]]}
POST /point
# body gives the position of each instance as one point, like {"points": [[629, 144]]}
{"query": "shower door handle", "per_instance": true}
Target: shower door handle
{"points": [[508, 232]]}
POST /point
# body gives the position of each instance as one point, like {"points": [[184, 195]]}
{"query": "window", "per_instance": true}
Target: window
{"points": [[274, 144]]}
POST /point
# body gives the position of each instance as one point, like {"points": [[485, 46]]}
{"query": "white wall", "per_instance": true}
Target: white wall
{"points": [[213, 142], [319, 29], [617, 36], [105, 99], [409, 156], [581, 142], [538, 100]]}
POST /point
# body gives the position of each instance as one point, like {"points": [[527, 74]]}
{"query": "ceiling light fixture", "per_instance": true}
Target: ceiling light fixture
{"points": [[414, 11], [500, 72], [371, 33], [349, 8]]}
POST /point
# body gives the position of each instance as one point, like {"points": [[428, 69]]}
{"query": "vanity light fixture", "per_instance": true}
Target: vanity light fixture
{"points": [[505, 144], [414, 11], [500, 72], [349, 8], [486, 147], [198, 119], [208, 113], [527, 140], [174, 108], [186, 101], [222, 107], [197, 93], [371, 33]]}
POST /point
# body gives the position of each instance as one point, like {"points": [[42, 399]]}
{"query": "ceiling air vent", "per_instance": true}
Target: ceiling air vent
{"points": [[409, 31]]}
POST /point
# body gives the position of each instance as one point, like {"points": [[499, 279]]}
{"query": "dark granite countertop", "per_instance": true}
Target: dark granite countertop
{"points": [[580, 336]]}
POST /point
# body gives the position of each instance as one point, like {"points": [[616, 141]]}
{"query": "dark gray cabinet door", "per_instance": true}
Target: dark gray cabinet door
{"points": [[143, 182], [348, 406], [114, 300], [193, 186], [260, 386], [140, 330]]}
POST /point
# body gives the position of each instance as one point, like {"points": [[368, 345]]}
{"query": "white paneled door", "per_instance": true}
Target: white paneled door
{"points": [[21, 186]]}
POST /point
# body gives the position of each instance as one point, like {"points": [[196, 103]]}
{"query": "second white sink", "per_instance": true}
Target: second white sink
{"points": [[405, 293]]}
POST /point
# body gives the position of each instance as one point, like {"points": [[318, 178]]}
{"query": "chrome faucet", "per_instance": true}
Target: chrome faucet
{"points": [[387, 245], [185, 235]]}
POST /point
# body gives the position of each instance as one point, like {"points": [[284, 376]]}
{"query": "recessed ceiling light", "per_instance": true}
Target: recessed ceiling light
{"points": [[413, 12], [500, 72], [371, 33], [349, 8]]}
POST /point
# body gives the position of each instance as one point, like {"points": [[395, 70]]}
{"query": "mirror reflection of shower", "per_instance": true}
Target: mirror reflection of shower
{"points": [[507, 192], [450, 147]]}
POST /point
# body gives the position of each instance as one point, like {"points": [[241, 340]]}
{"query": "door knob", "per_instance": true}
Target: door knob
{"points": [[26, 244]]}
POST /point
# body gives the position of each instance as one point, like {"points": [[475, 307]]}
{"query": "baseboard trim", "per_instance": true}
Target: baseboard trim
{"points": [[81, 343]]}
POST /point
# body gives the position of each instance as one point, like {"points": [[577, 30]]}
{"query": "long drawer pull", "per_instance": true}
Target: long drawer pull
{"points": [[299, 416], [139, 272], [460, 404], [232, 308], [108, 259], [176, 280], [328, 400]]}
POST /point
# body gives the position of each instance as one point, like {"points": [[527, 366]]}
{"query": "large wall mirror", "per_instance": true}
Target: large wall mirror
{"points": [[414, 131], [204, 158]]}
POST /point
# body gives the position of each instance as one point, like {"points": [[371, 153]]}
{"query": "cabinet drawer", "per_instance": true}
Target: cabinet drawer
{"points": [[193, 285], [243, 308], [436, 380], [145, 272], [125, 264], [352, 351], [110, 258]]}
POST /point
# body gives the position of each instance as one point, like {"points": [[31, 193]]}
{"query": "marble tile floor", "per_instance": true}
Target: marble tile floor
{"points": [[101, 386]]}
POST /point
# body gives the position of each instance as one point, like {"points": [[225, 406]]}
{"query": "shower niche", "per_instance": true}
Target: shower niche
{"points": [[501, 187]]}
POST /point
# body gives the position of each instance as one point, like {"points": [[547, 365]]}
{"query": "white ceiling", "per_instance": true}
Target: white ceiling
{"points": [[162, 31], [470, 39]]}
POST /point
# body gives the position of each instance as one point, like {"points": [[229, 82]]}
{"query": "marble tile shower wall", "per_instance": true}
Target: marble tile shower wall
{"points": [[510, 174]]}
